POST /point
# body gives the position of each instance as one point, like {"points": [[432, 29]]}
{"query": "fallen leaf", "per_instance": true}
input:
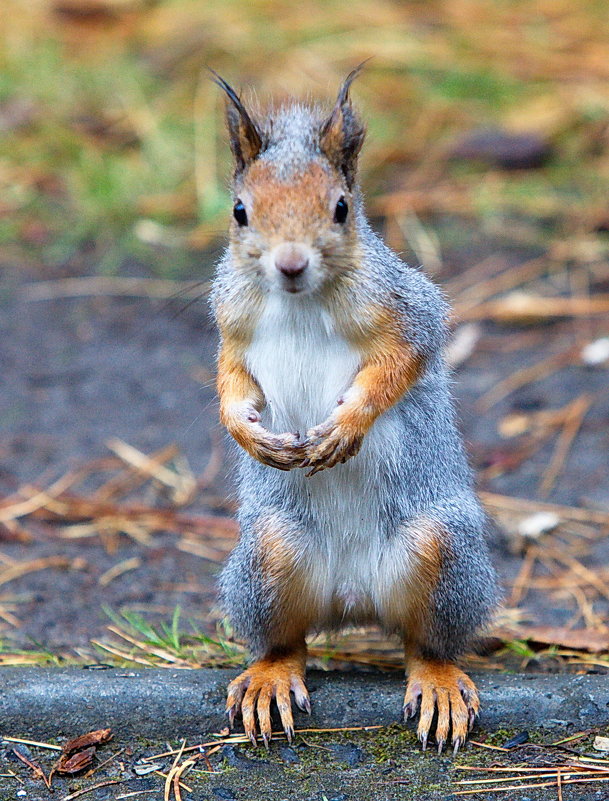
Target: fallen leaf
{"points": [[98, 737], [77, 762], [578, 639]]}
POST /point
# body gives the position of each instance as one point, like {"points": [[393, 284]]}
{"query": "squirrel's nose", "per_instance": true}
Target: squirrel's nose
{"points": [[291, 260]]}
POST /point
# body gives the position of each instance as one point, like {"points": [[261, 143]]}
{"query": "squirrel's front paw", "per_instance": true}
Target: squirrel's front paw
{"points": [[282, 451], [328, 444]]}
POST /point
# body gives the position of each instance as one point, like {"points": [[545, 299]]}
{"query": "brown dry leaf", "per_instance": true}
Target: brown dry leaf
{"points": [[576, 639], [77, 762], [98, 737]]}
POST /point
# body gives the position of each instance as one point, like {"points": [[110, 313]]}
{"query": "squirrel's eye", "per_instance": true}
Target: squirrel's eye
{"points": [[341, 211], [239, 213]]}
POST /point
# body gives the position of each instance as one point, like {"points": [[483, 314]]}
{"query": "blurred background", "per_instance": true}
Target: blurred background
{"points": [[487, 162]]}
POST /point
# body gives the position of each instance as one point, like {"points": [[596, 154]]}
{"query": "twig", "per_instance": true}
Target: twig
{"points": [[122, 654], [171, 772], [38, 771], [581, 570], [147, 648], [183, 486], [90, 789], [104, 763], [32, 742], [117, 570], [22, 568], [524, 575], [525, 376], [508, 279], [527, 786], [489, 747], [578, 410], [242, 738], [39, 500], [519, 307], [547, 773], [524, 505]]}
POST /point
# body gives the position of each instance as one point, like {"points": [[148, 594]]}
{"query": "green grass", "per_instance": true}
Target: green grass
{"points": [[125, 125], [162, 641]]}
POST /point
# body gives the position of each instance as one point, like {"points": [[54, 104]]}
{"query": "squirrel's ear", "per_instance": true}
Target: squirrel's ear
{"points": [[341, 136], [245, 137]]}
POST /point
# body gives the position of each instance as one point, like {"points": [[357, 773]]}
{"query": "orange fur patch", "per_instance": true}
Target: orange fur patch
{"points": [[295, 210], [236, 386], [390, 368], [270, 678], [296, 605], [443, 689], [407, 604]]}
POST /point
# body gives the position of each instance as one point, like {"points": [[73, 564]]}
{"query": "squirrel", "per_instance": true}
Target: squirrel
{"points": [[356, 503]]}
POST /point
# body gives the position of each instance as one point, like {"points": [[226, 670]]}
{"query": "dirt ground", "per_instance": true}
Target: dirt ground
{"points": [[78, 372]]}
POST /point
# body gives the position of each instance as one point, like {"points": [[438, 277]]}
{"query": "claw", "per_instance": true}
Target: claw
{"points": [[267, 680], [302, 702], [447, 696]]}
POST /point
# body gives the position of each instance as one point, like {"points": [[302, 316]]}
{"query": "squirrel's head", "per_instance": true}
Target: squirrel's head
{"points": [[293, 226]]}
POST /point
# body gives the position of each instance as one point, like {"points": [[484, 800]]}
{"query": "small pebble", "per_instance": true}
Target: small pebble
{"points": [[288, 754], [518, 739], [597, 352], [540, 523], [511, 151], [237, 759], [224, 793], [349, 754], [601, 743]]}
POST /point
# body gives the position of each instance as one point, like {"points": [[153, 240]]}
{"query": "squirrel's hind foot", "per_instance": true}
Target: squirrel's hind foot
{"points": [[443, 688], [253, 690]]}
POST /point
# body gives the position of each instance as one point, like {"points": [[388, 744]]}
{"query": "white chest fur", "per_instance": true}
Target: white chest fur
{"points": [[303, 365]]}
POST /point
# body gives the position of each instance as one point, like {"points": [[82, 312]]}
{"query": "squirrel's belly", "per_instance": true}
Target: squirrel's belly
{"points": [[303, 366], [354, 522], [300, 362]]}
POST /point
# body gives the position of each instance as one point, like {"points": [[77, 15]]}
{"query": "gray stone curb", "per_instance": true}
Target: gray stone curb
{"points": [[49, 702]]}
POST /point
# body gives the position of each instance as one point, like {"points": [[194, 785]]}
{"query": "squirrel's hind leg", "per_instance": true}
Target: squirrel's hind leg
{"points": [[440, 686], [265, 592], [268, 679], [438, 594]]}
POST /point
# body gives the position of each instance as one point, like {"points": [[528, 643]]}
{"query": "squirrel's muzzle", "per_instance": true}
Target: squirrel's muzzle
{"points": [[291, 260]]}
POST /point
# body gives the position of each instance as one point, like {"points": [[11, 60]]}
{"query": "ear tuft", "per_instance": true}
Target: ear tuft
{"points": [[341, 136], [245, 136]]}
